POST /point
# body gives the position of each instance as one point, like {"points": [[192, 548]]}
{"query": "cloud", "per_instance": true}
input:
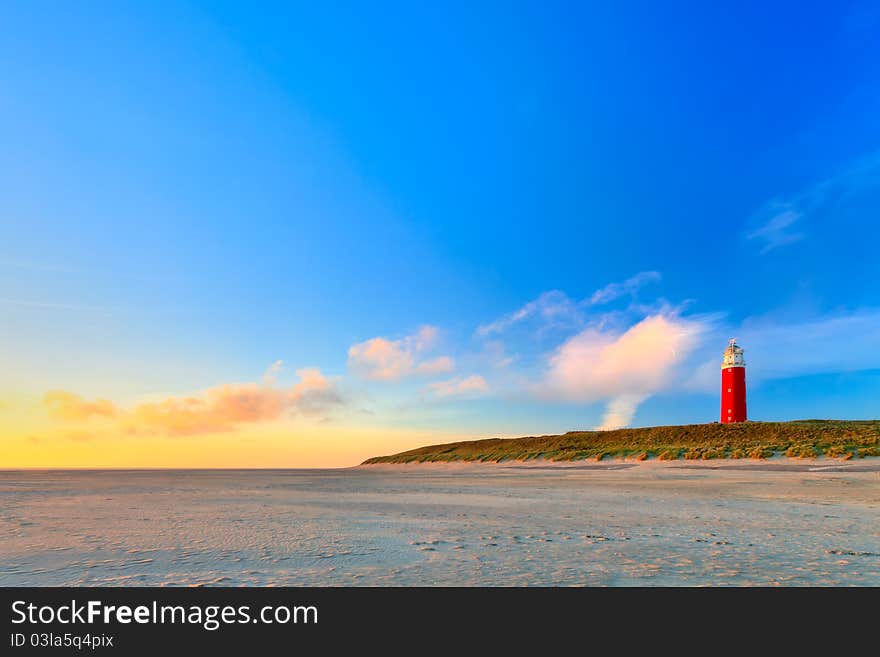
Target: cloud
{"points": [[777, 230], [781, 221], [440, 365], [314, 393], [620, 411], [599, 364], [64, 405], [495, 352], [553, 306], [623, 368], [471, 386], [218, 409], [270, 376], [381, 359], [629, 287], [556, 309], [424, 338]]}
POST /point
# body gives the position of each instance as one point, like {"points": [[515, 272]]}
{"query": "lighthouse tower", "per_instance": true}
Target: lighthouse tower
{"points": [[733, 384]]}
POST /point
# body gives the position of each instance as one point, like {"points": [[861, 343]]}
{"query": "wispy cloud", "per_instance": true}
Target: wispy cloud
{"points": [[629, 287], [779, 348], [556, 309], [381, 359], [495, 354], [552, 306], [270, 376], [23, 303], [782, 221], [777, 230], [471, 386]]}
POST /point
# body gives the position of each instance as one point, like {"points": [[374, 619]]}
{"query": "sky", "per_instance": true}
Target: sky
{"points": [[299, 235]]}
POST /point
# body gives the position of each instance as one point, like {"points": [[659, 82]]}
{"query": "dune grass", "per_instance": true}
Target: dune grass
{"points": [[758, 440]]}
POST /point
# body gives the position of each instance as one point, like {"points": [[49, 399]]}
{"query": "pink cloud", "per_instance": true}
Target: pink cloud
{"points": [[439, 365], [471, 386], [381, 359], [623, 368], [218, 409], [64, 405], [314, 393]]}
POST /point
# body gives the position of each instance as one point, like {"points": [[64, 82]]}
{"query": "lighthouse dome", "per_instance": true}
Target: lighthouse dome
{"points": [[733, 355]]}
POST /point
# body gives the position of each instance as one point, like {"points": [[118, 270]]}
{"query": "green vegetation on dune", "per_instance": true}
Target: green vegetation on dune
{"points": [[799, 439]]}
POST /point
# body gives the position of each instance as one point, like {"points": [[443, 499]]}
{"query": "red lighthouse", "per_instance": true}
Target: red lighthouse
{"points": [[733, 384]]}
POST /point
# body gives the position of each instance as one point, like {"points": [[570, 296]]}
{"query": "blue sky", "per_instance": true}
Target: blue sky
{"points": [[194, 191]]}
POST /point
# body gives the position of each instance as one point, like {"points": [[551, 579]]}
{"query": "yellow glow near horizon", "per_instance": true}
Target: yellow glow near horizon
{"points": [[31, 439], [322, 448]]}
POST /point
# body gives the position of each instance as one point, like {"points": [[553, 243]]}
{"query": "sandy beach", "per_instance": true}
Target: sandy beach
{"points": [[775, 522]]}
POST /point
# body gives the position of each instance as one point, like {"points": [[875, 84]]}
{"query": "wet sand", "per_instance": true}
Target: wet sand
{"points": [[782, 522]]}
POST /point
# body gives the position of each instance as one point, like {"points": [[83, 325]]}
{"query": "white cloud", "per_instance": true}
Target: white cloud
{"points": [[622, 368], [471, 386], [381, 359], [620, 411]]}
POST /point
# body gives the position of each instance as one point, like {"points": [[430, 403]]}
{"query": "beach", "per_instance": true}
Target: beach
{"points": [[609, 523]]}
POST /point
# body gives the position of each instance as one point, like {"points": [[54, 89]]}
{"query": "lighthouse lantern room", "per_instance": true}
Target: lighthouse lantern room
{"points": [[733, 384]]}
